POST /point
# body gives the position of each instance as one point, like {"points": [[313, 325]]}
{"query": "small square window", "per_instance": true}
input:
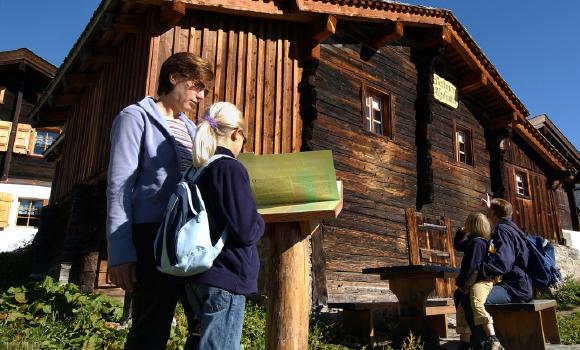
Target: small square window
{"points": [[463, 145], [378, 111], [522, 187], [44, 138], [29, 212]]}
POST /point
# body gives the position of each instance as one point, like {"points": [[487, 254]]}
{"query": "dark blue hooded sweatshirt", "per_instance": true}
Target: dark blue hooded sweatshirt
{"points": [[225, 189], [509, 261], [474, 249]]}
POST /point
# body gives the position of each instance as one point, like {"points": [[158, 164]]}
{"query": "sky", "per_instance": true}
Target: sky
{"points": [[535, 45]]}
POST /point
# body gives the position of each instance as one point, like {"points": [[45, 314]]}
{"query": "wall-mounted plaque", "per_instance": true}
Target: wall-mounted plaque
{"points": [[444, 91]]}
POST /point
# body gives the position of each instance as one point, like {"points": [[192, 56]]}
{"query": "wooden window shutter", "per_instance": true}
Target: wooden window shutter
{"points": [[5, 128], [5, 204], [22, 141], [32, 141]]}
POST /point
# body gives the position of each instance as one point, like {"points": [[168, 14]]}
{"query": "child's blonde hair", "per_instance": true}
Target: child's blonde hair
{"points": [[219, 119], [477, 224]]}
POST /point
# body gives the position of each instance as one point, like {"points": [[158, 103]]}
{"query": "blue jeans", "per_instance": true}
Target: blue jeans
{"points": [[498, 295], [221, 314]]}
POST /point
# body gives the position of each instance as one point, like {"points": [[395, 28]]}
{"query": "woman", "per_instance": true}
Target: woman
{"points": [[151, 145], [217, 296]]}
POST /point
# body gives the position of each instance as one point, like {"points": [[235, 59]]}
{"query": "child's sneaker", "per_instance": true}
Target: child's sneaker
{"points": [[492, 343]]}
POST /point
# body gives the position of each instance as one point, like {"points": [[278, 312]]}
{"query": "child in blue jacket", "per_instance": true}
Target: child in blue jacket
{"points": [[473, 242]]}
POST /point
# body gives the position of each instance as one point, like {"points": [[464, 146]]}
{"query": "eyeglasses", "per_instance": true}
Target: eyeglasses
{"points": [[197, 86]]}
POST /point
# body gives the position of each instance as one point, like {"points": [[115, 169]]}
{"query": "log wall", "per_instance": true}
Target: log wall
{"points": [[380, 174], [87, 130], [257, 67], [537, 213]]}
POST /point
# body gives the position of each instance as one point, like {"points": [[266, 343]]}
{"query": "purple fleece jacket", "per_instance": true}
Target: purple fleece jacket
{"points": [[143, 173]]}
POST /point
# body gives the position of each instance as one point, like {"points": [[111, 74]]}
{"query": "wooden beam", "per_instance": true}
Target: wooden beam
{"points": [[172, 12], [391, 32], [325, 29], [505, 121], [63, 100], [79, 80], [472, 81]]}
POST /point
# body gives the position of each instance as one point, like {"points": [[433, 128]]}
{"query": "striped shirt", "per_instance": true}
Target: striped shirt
{"points": [[183, 141]]}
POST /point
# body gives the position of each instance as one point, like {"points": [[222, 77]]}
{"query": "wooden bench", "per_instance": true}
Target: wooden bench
{"points": [[358, 318], [526, 326]]}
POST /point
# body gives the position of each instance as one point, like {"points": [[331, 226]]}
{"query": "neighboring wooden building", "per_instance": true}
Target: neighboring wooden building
{"points": [[567, 202], [417, 117], [25, 176]]}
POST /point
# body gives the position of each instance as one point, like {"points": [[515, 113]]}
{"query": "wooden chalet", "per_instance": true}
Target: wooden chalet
{"points": [[567, 203], [25, 176], [420, 123]]}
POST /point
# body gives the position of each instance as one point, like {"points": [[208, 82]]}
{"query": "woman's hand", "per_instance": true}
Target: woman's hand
{"points": [[124, 276]]}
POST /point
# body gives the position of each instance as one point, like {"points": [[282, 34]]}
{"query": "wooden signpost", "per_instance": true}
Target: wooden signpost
{"points": [[294, 192]]}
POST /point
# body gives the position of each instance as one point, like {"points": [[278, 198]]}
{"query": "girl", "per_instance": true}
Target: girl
{"points": [[217, 296], [473, 242]]}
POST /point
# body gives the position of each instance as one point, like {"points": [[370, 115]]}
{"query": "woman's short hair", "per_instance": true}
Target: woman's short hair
{"points": [[477, 224], [501, 208], [188, 65]]}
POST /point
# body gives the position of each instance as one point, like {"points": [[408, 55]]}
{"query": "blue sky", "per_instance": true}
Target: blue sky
{"points": [[532, 43]]}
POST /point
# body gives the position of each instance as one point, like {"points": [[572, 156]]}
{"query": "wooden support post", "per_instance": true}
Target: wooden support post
{"points": [[288, 276], [15, 118], [412, 293]]}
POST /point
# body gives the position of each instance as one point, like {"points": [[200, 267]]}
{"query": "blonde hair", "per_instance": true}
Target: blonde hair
{"points": [[227, 118], [478, 225]]}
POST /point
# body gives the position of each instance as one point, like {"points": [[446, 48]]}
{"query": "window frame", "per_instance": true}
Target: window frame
{"points": [[32, 200], [526, 183], [58, 131], [387, 104], [469, 157]]}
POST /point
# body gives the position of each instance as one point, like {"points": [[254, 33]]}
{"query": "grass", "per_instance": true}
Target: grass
{"points": [[570, 328]]}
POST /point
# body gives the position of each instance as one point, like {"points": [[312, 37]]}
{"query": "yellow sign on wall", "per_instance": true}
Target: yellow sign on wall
{"points": [[444, 91]]}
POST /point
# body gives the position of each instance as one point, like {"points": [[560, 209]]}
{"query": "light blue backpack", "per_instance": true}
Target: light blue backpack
{"points": [[183, 244]]}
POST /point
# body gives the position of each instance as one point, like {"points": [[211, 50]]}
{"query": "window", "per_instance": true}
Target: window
{"points": [[378, 111], [463, 145], [522, 187], [44, 138], [29, 212]]}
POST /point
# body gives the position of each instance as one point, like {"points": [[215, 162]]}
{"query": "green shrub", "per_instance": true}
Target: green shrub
{"points": [[570, 328], [15, 266], [568, 295], [51, 316]]}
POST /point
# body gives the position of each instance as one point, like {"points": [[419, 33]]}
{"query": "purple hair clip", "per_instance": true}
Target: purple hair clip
{"points": [[211, 120]]}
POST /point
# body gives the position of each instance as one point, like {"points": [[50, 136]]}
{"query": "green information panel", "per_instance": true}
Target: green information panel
{"points": [[293, 182]]}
